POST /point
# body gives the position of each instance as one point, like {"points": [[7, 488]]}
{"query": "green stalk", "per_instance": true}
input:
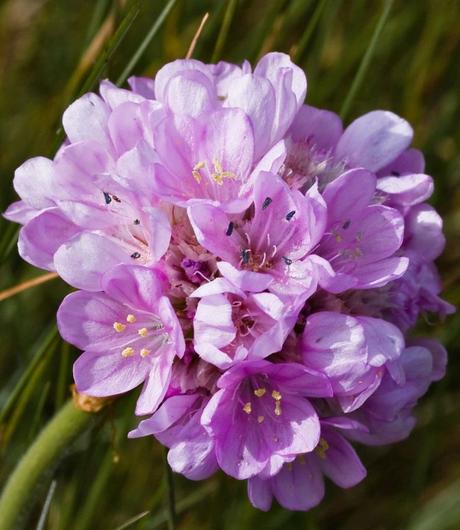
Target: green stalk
{"points": [[40, 458], [359, 77], [306, 36], [221, 39], [170, 494], [144, 44]]}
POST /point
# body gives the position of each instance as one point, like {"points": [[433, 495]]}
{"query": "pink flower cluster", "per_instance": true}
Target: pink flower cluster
{"points": [[247, 260]]}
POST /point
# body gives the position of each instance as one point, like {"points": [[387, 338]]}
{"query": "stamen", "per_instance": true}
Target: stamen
{"points": [[260, 419], [321, 448], [259, 392], [247, 408], [107, 197], [245, 254], [276, 395], [143, 332], [131, 319], [196, 171], [229, 229], [266, 203], [278, 408], [290, 215], [219, 175], [135, 255], [119, 327], [128, 352], [144, 352]]}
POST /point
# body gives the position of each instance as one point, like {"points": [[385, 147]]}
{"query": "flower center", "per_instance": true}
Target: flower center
{"points": [[305, 162], [144, 332]]}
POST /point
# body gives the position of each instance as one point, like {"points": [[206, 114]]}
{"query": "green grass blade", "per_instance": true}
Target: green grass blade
{"points": [[9, 239], [359, 77], [147, 39], [111, 47], [183, 505], [103, 59], [133, 520], [44, 344], [171, 515], [46, 507], [224, 29], [305, 39], [62, 378], [100, 8], [440, 513], [98, 487]]}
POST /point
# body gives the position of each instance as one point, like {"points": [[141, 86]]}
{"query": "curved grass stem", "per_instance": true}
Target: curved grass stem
{"points": [[40, 458]]}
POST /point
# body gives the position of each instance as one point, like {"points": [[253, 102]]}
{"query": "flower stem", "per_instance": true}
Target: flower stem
{"points": [[170, 494], [40, 458]]}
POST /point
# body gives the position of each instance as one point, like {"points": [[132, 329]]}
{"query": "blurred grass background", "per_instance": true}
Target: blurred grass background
{"points": [[47, 52]]}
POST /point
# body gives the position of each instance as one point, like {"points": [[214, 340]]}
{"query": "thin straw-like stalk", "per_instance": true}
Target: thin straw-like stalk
{"points": [[8, 293], [196, 36]]}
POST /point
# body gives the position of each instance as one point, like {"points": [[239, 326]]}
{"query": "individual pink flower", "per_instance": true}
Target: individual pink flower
{"points": [[130, 334], [270, 96], [299, 485], [362, 238], [260, 417], [352, 352], [272, 247], [232, 325]]}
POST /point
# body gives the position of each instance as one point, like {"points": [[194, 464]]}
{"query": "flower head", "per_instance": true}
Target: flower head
{"points": [[250, 261]]}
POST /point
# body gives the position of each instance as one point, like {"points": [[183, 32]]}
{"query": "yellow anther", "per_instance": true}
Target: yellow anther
{"points": [[276, 395], [247, 408], [219, 175], [260, 419], [119, 327], [144, 352], [131, 319], [259, 392], [277, 408], [196, 171], [143, 332], [289, 465], [217, 166], [321, 448], [128, 352]]}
